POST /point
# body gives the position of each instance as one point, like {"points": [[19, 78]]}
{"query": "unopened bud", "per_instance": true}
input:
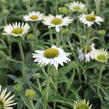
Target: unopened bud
{"points": [[5, 11], [36, 75], [3, 1], [26, 1], [65, 31], [17, 87], [102, 32], [30, 36], [63, 10], [30, 93]]}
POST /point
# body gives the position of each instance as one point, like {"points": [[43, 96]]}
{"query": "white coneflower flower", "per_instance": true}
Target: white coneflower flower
{"points": [[90, 19], [33, 16], [6, 102], [82, 104], [77, 6], [16, 29], [57, 21], [101, 55], [86, 52], [53, 56]]}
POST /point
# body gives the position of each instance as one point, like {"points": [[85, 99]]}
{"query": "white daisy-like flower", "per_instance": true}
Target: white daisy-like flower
{"points": [[90, 19], [81, 104], [33, 16], [101, 55], [77, 6], [57, 21], [53, 56], [6, 102], [86, 52], [16, 29]]}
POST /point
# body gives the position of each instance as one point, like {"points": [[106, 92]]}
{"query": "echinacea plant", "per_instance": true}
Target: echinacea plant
{"points": [[54, 54]]}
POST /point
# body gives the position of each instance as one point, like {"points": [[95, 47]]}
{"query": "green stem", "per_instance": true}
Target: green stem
{"points": [[87, 3], [44, 6], [9, 47], [32, 105], [84, 26], [97, 3], [54, 105], [58, 40], [28, 7], [23, 99], [56, 6], [99, 80], [54, 80], [88, 32], [88, 35], [88, 39], [100, 75], [44, 72], [38, 82], [46, 95], [13, 60], [104, 3], [71, 81], [77, 24], [35, 4], [23, 64], [55, 75], [10, 50], [103, 41], [34, 28], [23, 58], [5, 20], [70, 45], [51, 37]]}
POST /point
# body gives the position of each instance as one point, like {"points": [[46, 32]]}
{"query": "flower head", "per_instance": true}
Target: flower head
{"points": [[53, 56], [57, 21], [77, 7], [82, 104], [6, 102], [90, 19], [86, 52], [33, 16], [101, 55], [16, 29]]}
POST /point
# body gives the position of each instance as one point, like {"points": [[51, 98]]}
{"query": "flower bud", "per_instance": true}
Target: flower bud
{"points": [[36, 75], [26, 1], [65, 31], [75, 65], [102, 32], [2, 47], [83, 10], [30, 93], [63, 10], [3, 1], [30, 36], [17, 87], [3, 55], [5, 11], [83, 37]]}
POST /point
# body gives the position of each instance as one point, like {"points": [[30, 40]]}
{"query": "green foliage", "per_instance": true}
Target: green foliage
{"points": [[55, 89]]}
